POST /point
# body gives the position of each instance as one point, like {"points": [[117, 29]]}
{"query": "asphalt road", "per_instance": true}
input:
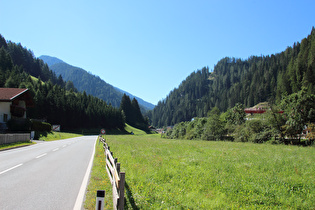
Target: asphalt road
{"points": [[47, 175]]}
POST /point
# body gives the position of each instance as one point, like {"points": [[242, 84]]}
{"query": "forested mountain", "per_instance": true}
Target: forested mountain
{"points": [[53, 103], [50, 60], [91, 84], [144, 106], [250, 81], [132, 113]]}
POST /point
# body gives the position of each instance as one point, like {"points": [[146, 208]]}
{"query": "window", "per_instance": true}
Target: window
{"points": [[5, 118]]}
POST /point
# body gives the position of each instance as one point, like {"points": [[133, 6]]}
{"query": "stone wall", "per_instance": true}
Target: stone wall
{"points": [[14, 137]]}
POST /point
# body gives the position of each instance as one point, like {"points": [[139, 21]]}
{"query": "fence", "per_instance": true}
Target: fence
{"points": [[116, 177], [14, 137]]}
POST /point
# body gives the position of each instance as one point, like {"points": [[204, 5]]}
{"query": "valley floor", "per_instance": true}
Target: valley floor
{"points": [[185, 174]]}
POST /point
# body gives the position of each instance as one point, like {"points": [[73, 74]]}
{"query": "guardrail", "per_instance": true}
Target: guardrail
{"points": [[116, 177]]}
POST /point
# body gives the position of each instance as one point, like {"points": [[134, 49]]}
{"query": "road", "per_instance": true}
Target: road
{"points": [[47, 175]]}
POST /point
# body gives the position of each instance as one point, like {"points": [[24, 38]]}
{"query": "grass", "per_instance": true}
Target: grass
{"points": [[53, 136], [96, 131], [36, 79], [135, 131], [98, 181], [184, 174], [15, 145]]}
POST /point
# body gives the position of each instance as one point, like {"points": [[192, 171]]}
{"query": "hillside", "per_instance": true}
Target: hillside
{"points": [[50, 60], [143, 104], [53, 103], [256, 79], [91, 84]]}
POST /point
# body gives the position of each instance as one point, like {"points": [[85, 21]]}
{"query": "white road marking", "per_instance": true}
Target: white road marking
{"points": [[2, 172], [55, 149], [80, 197], [64, 145], [39, 156]]}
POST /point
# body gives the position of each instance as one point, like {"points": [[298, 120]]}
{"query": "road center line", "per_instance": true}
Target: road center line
{"points": [[64, 145], [55, 149], [39, 156], [2, 172]]}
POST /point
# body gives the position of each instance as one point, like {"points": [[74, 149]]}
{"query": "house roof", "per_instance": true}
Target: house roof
{"points": [[10, 94]]}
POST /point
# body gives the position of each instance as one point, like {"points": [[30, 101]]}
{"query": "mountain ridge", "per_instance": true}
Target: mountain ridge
{"points": [[245, 81], [50, 60], [91, 84]]}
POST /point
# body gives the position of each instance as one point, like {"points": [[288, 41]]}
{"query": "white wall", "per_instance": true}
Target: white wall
{"points": [[4, 109]]}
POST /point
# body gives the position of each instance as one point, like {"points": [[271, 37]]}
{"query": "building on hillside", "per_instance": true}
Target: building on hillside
{"points": [[13, 104], [259, 109]]}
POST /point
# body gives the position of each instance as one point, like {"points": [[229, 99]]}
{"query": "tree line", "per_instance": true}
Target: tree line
{"points": [[282, 123], [132, 113], [56, 101], [232, 81]]}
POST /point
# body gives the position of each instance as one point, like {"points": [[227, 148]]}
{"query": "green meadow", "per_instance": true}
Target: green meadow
{"points": [[15, 145], [186, 174], [53, 136]]}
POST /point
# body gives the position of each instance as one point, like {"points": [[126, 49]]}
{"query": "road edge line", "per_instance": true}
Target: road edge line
{"points": [[81, 194]]}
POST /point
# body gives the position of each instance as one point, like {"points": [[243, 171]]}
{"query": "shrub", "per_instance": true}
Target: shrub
{"points": [[40, 126], [242, 134], [19, 124], [262, 136]]}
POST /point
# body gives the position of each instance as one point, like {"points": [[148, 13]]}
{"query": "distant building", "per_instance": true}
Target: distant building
{"points": [[13, 104], [254, 111], [259, 109]]}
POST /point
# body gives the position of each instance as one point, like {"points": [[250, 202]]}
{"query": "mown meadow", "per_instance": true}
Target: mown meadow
{"points": [[192, 174]]}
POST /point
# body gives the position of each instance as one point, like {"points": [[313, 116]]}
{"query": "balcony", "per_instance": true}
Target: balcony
{"points": [[17, 111]]}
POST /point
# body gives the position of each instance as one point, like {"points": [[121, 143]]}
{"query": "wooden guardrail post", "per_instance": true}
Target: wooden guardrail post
{"points": [[118, 167], [116, 177], [121, 192]]}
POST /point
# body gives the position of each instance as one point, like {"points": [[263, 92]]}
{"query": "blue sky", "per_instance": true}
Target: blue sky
{"points": [[149, 47]]}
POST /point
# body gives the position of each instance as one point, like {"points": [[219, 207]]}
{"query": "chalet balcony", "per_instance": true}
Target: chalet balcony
{"points": [[17, 111]]}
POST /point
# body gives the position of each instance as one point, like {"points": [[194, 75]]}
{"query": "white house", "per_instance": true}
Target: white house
{"points": [[13, 103]]}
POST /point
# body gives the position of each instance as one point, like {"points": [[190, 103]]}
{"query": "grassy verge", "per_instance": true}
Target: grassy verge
{"points": [[52, 136], [183, 174], [135, 131], [47, 137], [96, 131], [98, 181], [15, 145]]}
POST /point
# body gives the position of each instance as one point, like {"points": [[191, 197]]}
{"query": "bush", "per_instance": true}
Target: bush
{"points": [[19, 124], [262, 136], [242, 134], [255, 130], [40, 126], [273, 140], [195, 128]]}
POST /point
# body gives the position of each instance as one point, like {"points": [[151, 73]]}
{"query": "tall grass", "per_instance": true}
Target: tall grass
{"points": [[134, 130], [15, 145], [53, 136], [184, 174], [98, 181]]}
